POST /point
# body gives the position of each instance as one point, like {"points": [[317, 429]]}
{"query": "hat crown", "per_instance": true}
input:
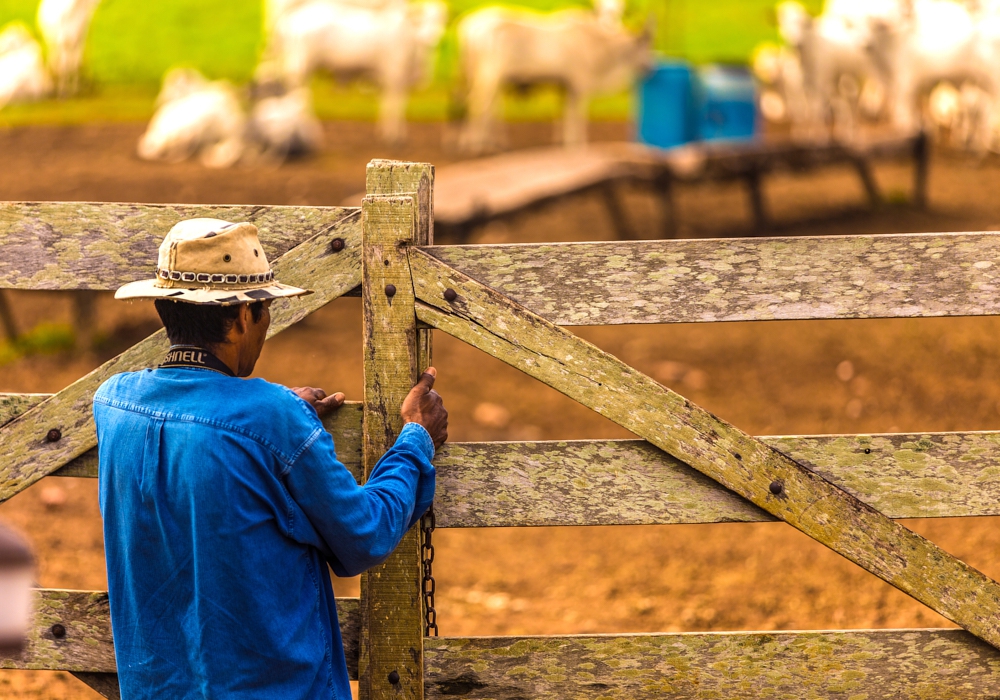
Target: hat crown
{"points": [[213, 246], [210, 261]]}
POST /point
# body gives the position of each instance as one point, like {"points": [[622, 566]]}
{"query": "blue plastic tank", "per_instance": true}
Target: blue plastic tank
{"points": [[727, 103], [666, 111]]}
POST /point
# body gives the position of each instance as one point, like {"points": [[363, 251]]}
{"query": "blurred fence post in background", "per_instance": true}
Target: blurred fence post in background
{"points": [[17, 573]]}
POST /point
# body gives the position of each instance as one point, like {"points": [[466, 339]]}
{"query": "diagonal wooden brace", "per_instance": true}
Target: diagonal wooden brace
{"points": [[62, 427], [493, 323]]}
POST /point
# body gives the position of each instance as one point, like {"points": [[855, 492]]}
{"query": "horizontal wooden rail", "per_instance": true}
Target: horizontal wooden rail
{"points": [[631, 482], [688, 281], [72, 632], [940, 664], [83, 245]]}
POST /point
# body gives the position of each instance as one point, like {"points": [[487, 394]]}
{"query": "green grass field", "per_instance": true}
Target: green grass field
{"points": [[133, 42]]}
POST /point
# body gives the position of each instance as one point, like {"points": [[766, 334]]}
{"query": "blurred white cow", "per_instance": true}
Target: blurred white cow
{"points": [[23, 75], [196, 117], [861, 12], [64, 25], [574, 49], [284, 125], [837, 67], [391, 45], [944, 42], [782, 97]]}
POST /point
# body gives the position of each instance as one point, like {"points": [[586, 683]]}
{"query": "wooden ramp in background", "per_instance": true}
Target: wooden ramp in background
{"points": [[474, 192]]}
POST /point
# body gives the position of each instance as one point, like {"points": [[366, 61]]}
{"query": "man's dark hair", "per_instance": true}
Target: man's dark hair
{"points": [[200, 324]]}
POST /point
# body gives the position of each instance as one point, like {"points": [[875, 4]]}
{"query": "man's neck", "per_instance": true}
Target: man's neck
{"points": [[229, 353]]}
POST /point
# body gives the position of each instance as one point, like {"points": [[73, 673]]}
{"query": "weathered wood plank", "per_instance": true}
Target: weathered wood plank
{"points": [[85, 245], [490, 322], [71, 631], [887, 664], [631, 482], [688, 281], [26, 454], [391, 662]]}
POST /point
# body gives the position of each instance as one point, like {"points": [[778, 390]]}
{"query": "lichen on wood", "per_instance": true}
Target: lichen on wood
{"points": [[631, 482], [932, 664], [87, 245], [739, 279], [71, 631]]}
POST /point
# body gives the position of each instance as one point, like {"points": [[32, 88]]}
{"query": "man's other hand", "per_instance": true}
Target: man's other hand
{"points": [[317, 398], [423, 405]]}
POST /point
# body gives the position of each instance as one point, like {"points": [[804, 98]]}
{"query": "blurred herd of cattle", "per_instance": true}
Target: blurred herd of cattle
{"points": [[904, 64]]}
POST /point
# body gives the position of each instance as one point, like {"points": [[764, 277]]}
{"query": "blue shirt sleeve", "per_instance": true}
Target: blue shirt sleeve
{"points": [[362, 525]]}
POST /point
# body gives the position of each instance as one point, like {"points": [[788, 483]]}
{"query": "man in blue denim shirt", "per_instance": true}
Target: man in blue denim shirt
{"points": [[223, 499]]}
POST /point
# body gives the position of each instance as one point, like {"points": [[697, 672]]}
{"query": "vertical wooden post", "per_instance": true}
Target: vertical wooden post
{"points": [[397, 212], [757, 206], [921, 166]]}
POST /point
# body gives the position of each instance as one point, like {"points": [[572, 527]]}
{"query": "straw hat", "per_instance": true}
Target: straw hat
{"points": [[208, 261]]}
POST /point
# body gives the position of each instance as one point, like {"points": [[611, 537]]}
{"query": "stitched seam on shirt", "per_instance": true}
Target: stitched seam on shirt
{"points": [[189, 418], [305, 446]]}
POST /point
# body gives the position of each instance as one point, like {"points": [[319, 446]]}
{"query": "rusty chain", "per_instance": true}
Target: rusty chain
{"points": [[427, 584]]}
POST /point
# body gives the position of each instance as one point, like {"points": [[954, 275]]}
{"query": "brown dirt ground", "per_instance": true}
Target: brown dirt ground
{"points": [[773, 378]]}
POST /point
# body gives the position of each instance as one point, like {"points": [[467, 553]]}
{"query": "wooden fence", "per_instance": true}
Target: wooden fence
{"points": [[513, 302]]}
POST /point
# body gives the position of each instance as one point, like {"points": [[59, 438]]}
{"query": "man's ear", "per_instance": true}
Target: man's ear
{"points": [[243, 320]]}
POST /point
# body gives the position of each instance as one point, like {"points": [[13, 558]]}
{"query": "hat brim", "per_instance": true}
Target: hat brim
{"points": [[148, 289]]}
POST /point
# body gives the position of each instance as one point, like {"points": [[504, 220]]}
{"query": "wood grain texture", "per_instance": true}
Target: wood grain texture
{"points": [[884, 664], [490, 322], [689, 281], [26, 455], [87, 646], [84, 245], [392, 629], [631, 482]]}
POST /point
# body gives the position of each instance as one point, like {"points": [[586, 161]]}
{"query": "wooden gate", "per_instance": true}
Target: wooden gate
{"points": [[513, 302]]}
